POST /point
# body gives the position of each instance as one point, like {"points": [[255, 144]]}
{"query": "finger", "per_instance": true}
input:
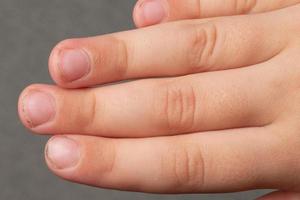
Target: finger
{"points": [[154, 107], [224, 161], [168, 50], [280, 196], [150, 12]]}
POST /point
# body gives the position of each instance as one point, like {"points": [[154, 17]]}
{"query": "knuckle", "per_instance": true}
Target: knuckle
{"points": [[184, 166], [113, 57], [176, 107], [104, 149], [201, 45], [91, 122], [108, 156], [84, 116], [92, 110], [123, 62]]}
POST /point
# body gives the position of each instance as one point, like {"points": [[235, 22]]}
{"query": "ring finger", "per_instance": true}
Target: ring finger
{"points": [[180, 164], [174, 49]]}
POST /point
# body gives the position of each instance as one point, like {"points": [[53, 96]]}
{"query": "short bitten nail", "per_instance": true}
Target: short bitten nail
{"points": [[38, 107], [153, 11], [62, 152], [74, 64]]}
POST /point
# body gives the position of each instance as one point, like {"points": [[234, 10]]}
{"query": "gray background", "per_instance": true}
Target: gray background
{"points": [[28, 31]]}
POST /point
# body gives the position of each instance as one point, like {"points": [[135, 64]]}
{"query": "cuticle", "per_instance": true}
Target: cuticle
{"points": [[89, 61], [48, 158], [27, 119]]}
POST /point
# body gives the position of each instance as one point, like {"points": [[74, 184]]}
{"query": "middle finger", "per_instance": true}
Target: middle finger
{"points": [[155, 107]]}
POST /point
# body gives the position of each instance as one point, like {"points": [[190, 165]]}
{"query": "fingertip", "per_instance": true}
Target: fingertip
{"points": [[53, 64], [62, 153], [137, 17], [21, 106], [149, 12], [63, 156], [69, 63], [36, 106]]}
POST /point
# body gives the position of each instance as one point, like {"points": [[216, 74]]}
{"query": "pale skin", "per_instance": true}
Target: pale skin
{"points": [[216, 107]]}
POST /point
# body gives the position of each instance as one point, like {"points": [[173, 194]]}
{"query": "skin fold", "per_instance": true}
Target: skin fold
{"points": [[211, 101]]}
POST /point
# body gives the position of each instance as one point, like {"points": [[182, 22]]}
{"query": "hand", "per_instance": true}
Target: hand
{"points": [[232, 127]]}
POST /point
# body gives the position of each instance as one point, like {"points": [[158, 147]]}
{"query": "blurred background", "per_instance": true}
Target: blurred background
{"points": [[28, 31]]}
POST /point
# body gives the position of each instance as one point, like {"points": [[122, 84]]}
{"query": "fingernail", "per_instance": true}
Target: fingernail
{"points": [[153, 11], [63, 152], [38, 107], [75, 64]]}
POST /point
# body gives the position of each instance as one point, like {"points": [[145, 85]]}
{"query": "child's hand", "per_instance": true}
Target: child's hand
{"points": [[233, 127]]}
